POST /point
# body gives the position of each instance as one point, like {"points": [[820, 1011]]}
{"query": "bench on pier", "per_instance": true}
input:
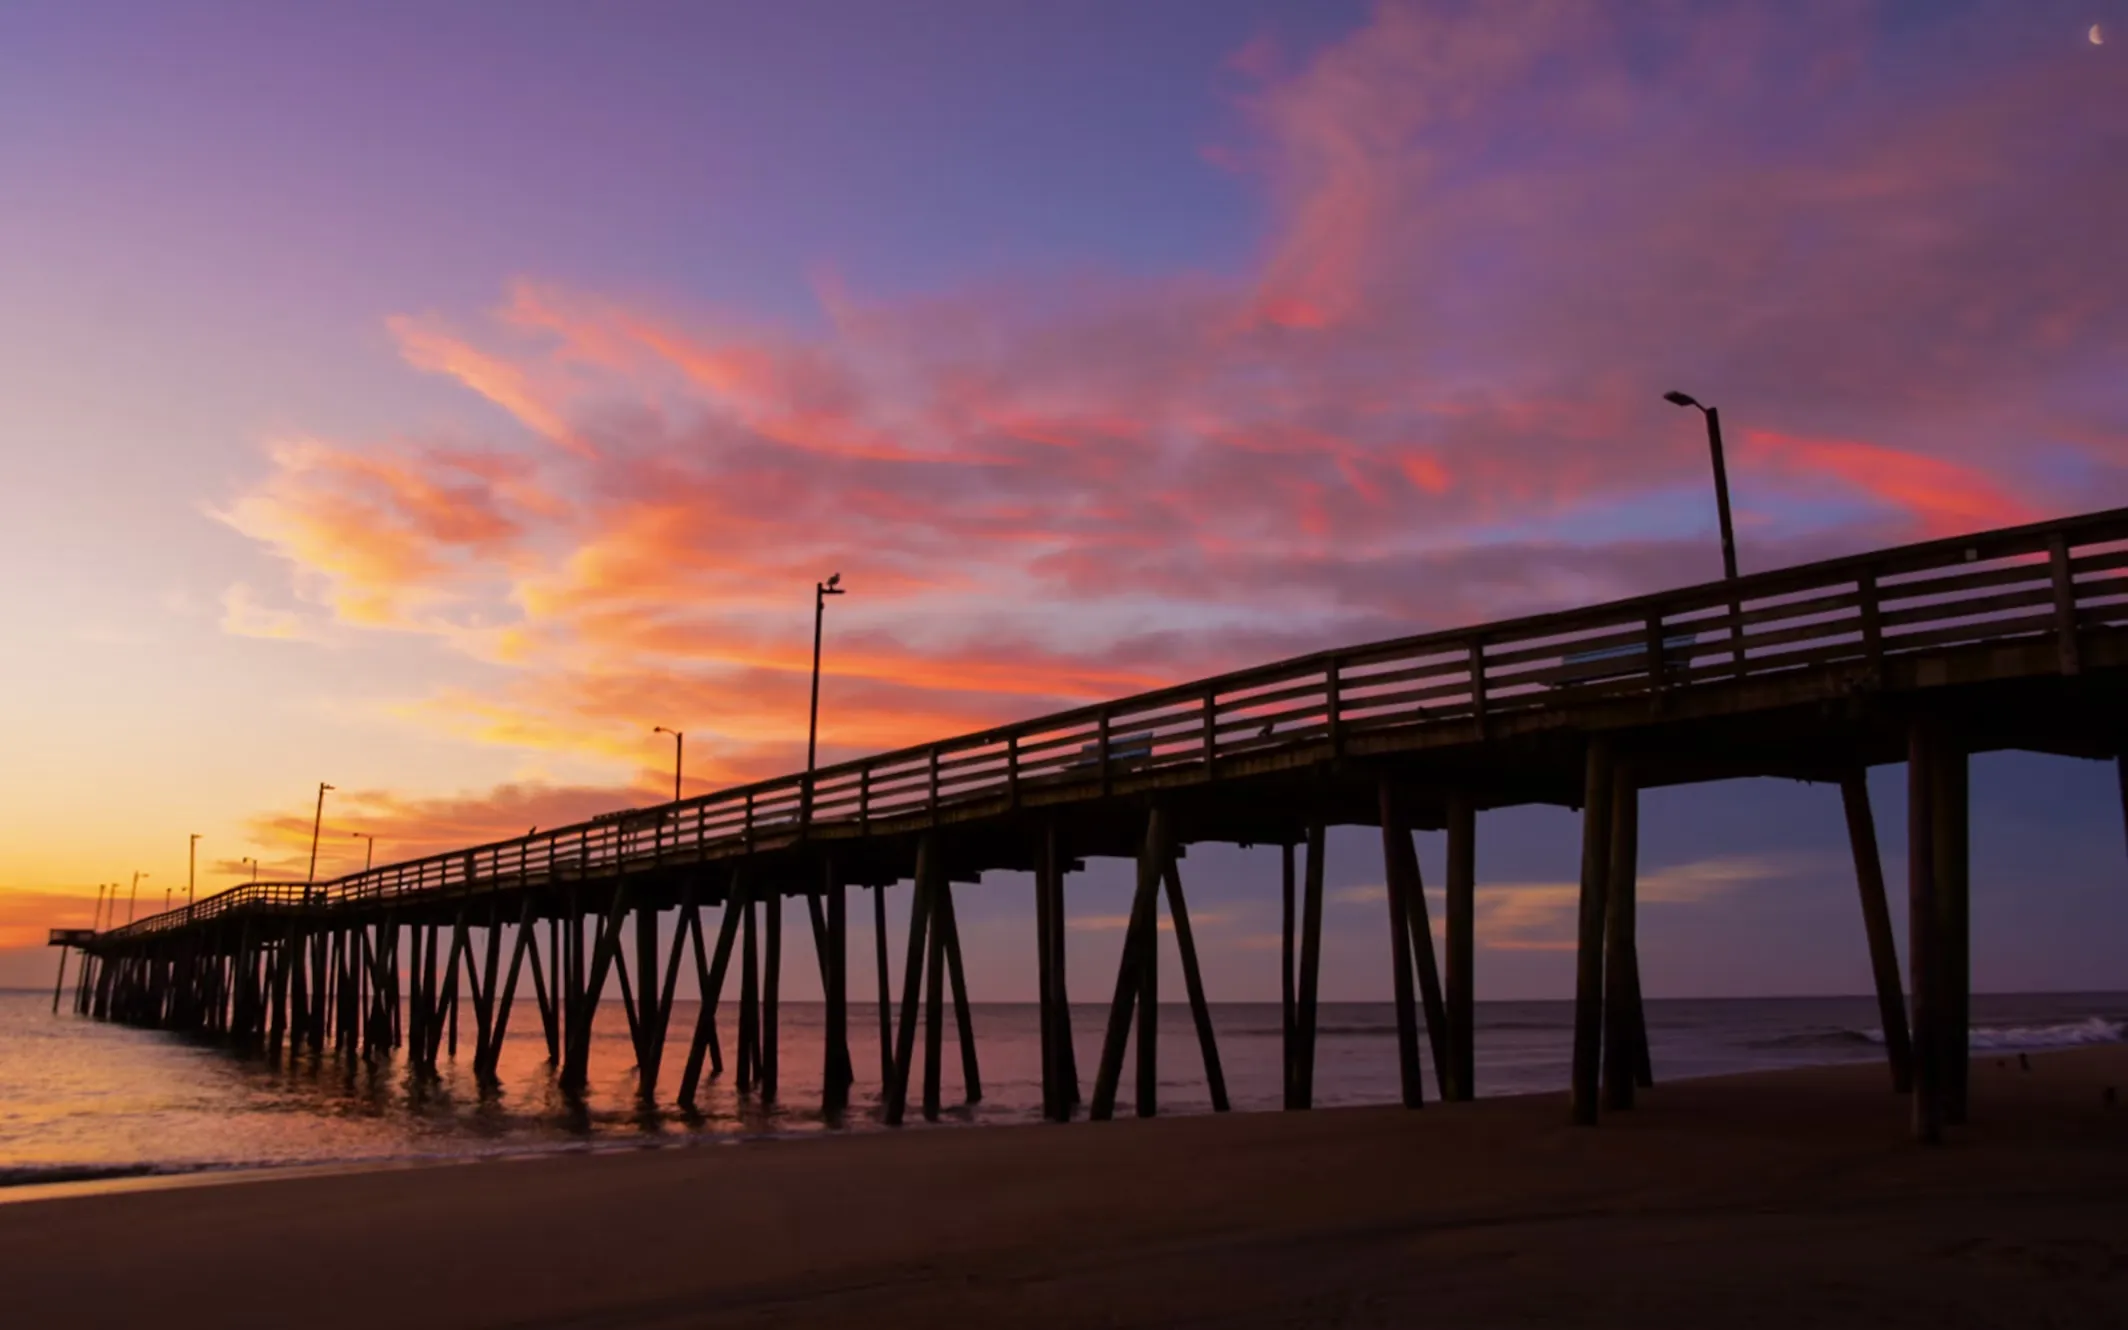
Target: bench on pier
{"points": [[1622, 661], [1122, 749]]}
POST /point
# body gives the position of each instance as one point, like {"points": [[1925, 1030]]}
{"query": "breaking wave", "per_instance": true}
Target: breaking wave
{"points": [[2068, 1034]]}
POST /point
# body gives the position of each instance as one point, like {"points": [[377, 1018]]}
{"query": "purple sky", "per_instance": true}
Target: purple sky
{"points": [[432, 399]]}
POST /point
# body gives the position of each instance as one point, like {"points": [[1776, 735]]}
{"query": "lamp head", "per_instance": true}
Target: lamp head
{"points": [[1675, 398]]}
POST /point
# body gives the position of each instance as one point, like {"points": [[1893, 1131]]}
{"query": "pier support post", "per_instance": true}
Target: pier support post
{"points": [[927, 869], [649, 1036], [1596, 814], [1396, 850], [1288, 1059], [1924, 942], [1461, 945], [880, 972], [935, 997], [712, 985], [527, 934], [836, 1073], [957, 975], [1138, 939], [605, 944], [59, 983], [749, 1036], [1053, 1108], [1954, 969], [1622, 1029], [771, 1045], [1877, 922], [1311, 958], [1193, 981]]}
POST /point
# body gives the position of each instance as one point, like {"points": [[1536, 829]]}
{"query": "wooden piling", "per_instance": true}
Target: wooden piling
{"points": [[549, 1004], [886, 998], [957, 977], [1949, 821], [749, 1036], [59, 983], [1059, 975], [836, 1072], [1461, 911], [712, 984], [649, 1039], [1923, 940], [527, 935], [1588, 974], [771, 992], [1311, 959], [1045, 988], [1288, 1059], [1130, 970], [605, 946], [1877, 924], [934, 996], [1396, 853], [1193, 980], [1621, 1042], [927, 868]]}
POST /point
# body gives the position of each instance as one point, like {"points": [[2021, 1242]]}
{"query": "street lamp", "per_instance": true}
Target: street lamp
{"points": [[191, 868], [1721, 476], [679, 751], [247, 859], [821, 592], [96, 923], [317, 820], [134, 896], [369, 854]]}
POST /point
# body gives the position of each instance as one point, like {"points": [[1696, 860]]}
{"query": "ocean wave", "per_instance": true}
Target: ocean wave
{"points": [[1826, 1038], [2066, 1034], [2090, 1030], [30, 1175]]}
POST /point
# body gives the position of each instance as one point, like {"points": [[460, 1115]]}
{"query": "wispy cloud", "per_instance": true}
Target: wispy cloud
{"points": [[1495, 232]]}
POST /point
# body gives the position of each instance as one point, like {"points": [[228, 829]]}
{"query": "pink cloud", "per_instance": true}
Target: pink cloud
{"points": [[1492, 240]]}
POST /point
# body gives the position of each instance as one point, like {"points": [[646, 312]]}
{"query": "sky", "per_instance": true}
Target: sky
{"points": [[430, 400]]}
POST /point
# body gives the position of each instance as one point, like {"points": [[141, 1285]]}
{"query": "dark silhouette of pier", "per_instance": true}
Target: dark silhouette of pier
{"points": [[1922, 654]]}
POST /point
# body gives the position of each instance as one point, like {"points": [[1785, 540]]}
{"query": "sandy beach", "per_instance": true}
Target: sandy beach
{"points": [[1781, 1198]]}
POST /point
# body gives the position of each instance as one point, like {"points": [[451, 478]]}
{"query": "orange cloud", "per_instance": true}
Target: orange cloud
{"points": [[1492, 233]]}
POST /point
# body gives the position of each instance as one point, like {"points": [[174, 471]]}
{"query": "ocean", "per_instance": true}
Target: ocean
{"points": [[81, 1099]]}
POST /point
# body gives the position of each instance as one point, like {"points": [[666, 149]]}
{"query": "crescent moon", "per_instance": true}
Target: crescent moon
{"points": [[2098, 35]]}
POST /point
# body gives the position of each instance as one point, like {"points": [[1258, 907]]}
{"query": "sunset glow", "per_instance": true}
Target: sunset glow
{"points": [[468, 414]]}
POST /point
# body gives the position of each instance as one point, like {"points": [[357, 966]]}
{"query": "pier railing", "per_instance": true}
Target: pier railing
{"points": [[2050, 581]]}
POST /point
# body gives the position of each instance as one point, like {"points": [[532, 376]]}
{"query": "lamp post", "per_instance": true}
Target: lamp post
{"points": [[317, 820], [679, 752], [1721, 477], [369, 853], [96, 922], [191, 868], [821, 592], [133, 897], [247, 859]]}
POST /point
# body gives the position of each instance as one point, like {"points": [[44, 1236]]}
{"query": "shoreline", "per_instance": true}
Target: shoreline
{"points": [[111, 1179], [1753, 1198]]}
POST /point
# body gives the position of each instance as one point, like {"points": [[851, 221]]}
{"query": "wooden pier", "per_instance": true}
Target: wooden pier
{"points": [[1922, 654]]}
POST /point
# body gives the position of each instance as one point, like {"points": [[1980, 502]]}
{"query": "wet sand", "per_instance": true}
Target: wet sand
{"points": [[1787, 1198]]}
